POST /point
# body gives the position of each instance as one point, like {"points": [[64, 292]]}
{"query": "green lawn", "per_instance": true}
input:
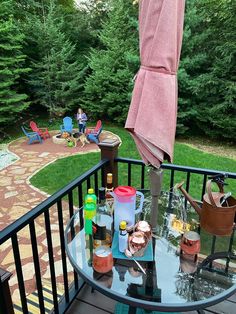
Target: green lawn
{"points": [[50, 179]]}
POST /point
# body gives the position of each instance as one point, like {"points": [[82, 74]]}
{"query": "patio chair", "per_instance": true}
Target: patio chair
{"points": [[67, 125], [32, 136], [94, 130], [94, 136], [42, 132]]}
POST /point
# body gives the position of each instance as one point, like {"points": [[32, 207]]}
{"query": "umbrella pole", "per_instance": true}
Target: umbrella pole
{"points": [[155, 178]]}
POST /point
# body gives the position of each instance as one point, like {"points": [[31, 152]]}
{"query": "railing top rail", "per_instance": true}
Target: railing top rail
{"points": [[23, 221], [6, 233], [203, 171], [130, 160]]}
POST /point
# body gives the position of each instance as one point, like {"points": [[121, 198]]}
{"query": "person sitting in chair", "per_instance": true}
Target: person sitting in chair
{"points": [[81, 118]]}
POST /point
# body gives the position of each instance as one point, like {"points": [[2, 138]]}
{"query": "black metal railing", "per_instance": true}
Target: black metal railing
{"points": [[176, 174], [63, 203], [186, 172]]}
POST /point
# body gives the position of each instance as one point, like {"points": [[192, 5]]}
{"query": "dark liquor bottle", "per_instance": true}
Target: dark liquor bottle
{"points": [[102, 222]]}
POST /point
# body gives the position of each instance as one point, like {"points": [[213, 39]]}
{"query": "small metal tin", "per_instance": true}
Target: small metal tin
{"points": [[137, 243], [145, 228], [190, 243]]}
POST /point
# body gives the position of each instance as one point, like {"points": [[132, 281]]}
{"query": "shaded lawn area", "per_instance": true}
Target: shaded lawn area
{"points": [[60, 173]]}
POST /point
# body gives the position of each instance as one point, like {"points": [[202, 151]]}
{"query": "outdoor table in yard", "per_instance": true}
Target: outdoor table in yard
{"points": [[165, 286]]}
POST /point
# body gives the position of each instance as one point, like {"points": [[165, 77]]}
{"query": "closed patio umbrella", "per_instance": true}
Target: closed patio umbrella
{"points": [[153, 110]]}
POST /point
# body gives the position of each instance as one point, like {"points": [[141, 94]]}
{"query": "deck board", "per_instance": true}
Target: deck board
{"points": [[94, 302], [96, 298], [233, 298], [225, 307], [80, 307]]}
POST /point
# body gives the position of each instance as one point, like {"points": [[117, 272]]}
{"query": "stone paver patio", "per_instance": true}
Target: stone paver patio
{"points": [[18, 197]]}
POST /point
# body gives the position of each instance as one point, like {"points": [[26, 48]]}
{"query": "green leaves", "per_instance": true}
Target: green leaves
{"points": [[12, 65], [207, 69], [56, 74], [108, 88]]}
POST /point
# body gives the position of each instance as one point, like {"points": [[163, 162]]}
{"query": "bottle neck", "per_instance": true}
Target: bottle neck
{"points": [[102, 196], [123, 232], [109, 185], [102, 202]]}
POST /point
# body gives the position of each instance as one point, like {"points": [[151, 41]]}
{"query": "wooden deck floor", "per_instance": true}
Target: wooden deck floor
{"points": [[88, 302]]}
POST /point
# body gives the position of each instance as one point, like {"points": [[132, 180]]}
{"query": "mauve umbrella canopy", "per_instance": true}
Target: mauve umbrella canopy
{"points": [[153, 111]]}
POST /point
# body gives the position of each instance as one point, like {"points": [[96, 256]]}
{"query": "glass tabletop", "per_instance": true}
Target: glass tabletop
{"points": [[172, 281]]}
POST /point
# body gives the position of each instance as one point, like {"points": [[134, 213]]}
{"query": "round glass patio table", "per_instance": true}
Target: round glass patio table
{"points": [[167, 286]]}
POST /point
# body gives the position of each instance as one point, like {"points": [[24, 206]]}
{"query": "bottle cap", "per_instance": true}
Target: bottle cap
{"points": [[123, 225], [90, 191], [109, 175]]}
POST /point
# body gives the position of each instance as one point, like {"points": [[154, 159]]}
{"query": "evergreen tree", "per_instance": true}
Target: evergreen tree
{"points": [[30, 12], [216, 87], [80, 31], [58, 37], [108, 88], [207, 70], [67, 4], [56, 75], [96, 12], [12, 101], [193, 62]]}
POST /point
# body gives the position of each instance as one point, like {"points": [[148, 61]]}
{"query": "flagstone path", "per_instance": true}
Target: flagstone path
{"points": [[18, 196]]}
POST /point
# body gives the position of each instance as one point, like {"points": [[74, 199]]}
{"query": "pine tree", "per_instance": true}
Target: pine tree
{"points": [[216, 87], [56, 75], [108, 88], [207, 70], [12, 102], [194, 62], [96, 12]]}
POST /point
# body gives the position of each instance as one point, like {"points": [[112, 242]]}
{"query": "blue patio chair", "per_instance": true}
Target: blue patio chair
{"points": [[32, 136], [94, 137], [67, 125]]}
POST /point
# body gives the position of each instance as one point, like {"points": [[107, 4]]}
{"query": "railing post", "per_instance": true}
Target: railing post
{"points": [[109, 150], [6, 306]]}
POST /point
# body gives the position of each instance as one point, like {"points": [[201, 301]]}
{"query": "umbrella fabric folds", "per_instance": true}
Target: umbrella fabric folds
{"points": [[153, 111]]}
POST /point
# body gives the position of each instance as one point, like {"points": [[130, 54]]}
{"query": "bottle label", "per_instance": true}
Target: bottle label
{"points": [[88, 227], [100, 233], [110, 204], [89, 214], [123, 242]]}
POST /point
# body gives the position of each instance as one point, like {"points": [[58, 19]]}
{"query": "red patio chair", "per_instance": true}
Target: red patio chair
{"points": [[42, 132], [96, 129]]}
